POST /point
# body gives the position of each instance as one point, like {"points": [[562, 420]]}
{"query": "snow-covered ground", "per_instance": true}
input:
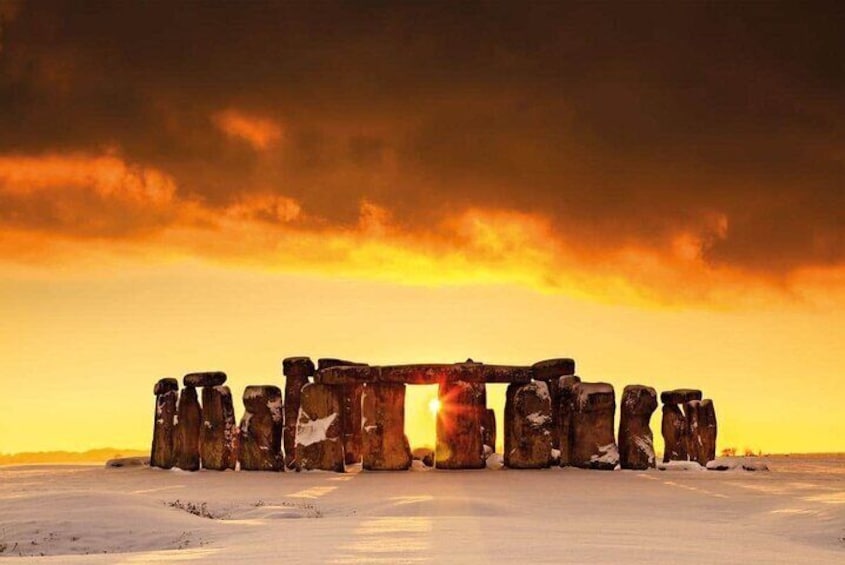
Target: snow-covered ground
{"points": [[793, 513]]}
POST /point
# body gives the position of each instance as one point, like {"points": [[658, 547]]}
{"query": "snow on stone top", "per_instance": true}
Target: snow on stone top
{"points": [[253, 391], [541, 388], [585, 390]]}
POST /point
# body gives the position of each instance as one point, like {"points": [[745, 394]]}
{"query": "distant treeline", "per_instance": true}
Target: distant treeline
{"points": [[90, 456]]}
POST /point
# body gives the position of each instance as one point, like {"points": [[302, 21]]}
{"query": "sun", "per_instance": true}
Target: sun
{"points": [[434, 405]]}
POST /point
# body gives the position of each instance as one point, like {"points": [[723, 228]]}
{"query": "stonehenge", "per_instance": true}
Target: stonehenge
{"points": [[162, 454], [219, 432], [350, 415], [701, 427], [385, 447], [528, 426], [319, 444], [459, 442], [344, 413], [260, 447], [689, 426], [636, 441], [566, 406], [297, 371], [186, 440], [594, 443]]}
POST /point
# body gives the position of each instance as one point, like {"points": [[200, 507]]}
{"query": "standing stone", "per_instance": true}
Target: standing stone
{"points": [[319, 444], [296, 371], [385, 447], [350, 404], [219, 431], [550, 371], [528, 435], [162, 454], [261, 429], [594, 444], [701, 426], [636, 441], [187, 430], [459, 426], [488, 429], [675, 432], [351, 398], [567, 390]]}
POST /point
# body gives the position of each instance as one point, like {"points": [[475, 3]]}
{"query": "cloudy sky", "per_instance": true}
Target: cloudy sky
{"points": [[654, 189]]}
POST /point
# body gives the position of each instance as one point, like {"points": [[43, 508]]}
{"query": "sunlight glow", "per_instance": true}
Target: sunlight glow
{"points": [[434, 405]]}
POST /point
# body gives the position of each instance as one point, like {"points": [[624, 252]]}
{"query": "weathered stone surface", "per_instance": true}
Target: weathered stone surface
{"points": [[207, 378], [350, 404], [296, 371], [701, 427], [554, 395], [679, 396], [594, 444], [424, 454], [219, 431], [186, 439], [385, 447], [319, 444], [636, 440], [347, 374], [553, 369], [162, 453], [464, 372], [165, 385], [261, 427], [675, 432], [528, 423], [550, 371], [328, 362], [297, 367], [488, 429], [567, 394], [459, 426]]}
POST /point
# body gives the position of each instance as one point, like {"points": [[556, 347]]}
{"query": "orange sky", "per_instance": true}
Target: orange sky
{"points": [[657, 194]]}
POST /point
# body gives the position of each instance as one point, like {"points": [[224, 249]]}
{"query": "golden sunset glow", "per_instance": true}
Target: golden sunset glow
{"points": [[388, 194], [434, 406]]}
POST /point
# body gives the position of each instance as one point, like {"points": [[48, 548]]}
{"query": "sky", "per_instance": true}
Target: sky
{"points": [[654, 189]]}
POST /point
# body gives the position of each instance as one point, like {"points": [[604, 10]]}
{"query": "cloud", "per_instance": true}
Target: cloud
{"points": [[258, 132], [673, 154]]}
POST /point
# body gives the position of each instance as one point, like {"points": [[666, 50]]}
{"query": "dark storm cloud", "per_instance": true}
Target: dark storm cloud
{"points": [[622, 123]]}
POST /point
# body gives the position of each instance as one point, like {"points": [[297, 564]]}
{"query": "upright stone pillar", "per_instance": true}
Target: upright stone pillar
{"points": [[296, 371], [459, 426], [567, 390], [350, 405], [550, 371], [528, 425], [636, 441], [261, 429], [319, 444], [674, 426], [594, 444], [187, 430], [219, 431], [488, 429], [385, 447], [701, 425], [162, 453]]}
